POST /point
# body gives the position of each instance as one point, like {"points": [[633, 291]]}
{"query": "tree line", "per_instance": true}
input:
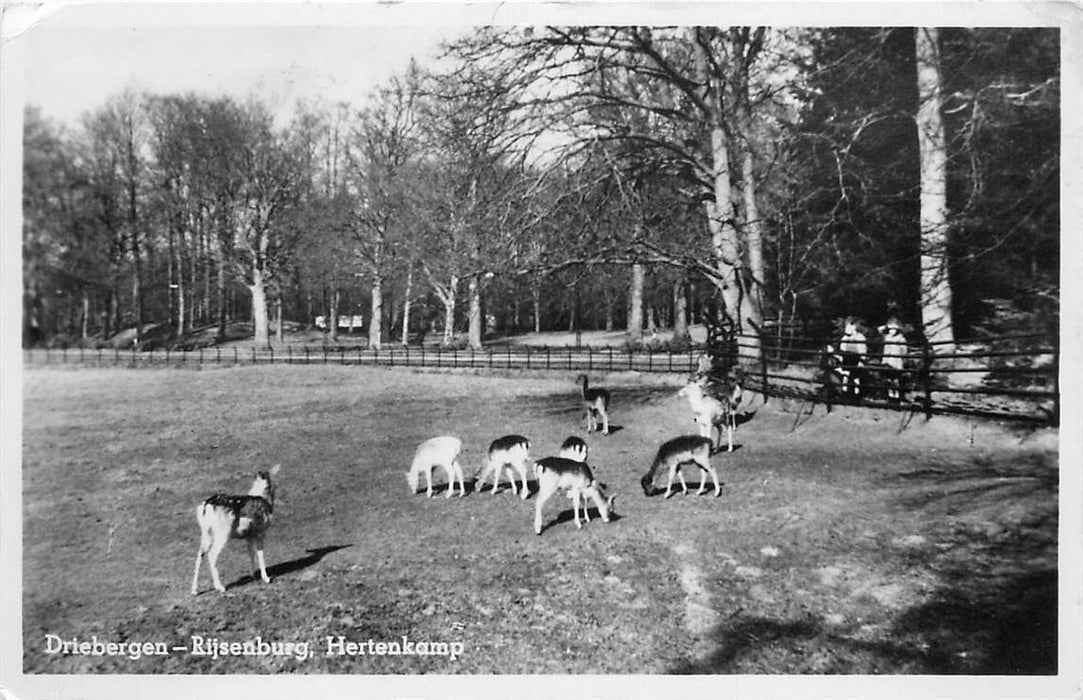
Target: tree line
{"points": [[572, 178]]}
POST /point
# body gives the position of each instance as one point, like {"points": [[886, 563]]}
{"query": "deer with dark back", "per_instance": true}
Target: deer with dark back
{"points": [[223, 517], [596, 405]]}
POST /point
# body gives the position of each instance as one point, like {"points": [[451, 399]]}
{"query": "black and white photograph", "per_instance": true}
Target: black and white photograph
{"points": [[608, 350]]}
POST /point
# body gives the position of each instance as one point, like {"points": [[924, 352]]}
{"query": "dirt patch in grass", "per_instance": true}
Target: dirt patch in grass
{"points": [[840, 544]]}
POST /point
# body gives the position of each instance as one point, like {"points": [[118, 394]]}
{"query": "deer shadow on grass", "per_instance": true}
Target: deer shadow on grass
{"points": [[288, 567], [567, 516]]}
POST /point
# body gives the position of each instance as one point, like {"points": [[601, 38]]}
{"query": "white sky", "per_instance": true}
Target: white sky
{"points": [[75, 59]]}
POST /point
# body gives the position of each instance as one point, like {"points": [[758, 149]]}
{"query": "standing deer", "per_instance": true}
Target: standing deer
{"points": [[709, 412], [596, 405], [222, 517]]}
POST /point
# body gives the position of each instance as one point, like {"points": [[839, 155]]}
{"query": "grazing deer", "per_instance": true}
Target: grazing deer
{"points": [[596, 404], [511, 452], [576, 449], [709, 412], [676, 452], [222, 517], [556, 473], [437, 452]]}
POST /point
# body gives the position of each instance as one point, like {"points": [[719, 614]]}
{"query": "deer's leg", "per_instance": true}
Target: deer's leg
{"points": [[204, 545], [257, 545], [575, 508], [669, 483], [218, 543], [544, 492], [705, 465], [522, 473]]}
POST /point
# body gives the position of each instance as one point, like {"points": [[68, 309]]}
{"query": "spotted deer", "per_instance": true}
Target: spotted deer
{"points": [[555, 473], [223, 517]]}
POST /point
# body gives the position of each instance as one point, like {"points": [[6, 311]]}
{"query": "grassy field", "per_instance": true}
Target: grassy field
{"points": [[841, 544]]}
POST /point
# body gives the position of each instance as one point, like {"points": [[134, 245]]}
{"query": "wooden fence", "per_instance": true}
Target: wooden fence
{"points": [[1013, 377]]}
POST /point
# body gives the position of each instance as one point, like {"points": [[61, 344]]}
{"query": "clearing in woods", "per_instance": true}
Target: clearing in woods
{"points": [[839, 545]]}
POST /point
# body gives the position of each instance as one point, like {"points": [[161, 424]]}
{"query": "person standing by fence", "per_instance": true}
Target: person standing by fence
{"points": [[853, 348], [893, 357]]}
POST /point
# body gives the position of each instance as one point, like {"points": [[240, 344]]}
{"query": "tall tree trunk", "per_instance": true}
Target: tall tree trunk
{"points": [[725, 242], [936, 296], [223, 306], [635, 305], [749, 42], [475, 315], [183, 309], [680, 312], [753, 231], [258, 288], [609, 310], [376, 313], [86, 313], [406, 305], [535, 298], [171, 276], [137, 287], [450, 299], [332, 313], [279, 329]]}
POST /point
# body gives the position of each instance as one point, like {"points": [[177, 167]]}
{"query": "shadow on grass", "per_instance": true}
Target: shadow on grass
{"points": [[1009, 630], [288, 567], [566, 516], [984, 483]]}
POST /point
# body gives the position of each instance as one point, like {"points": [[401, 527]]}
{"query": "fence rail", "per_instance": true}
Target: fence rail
{"points": [[585, 359]]}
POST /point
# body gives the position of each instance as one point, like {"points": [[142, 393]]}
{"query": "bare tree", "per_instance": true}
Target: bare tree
{"points": [[936, 297]]}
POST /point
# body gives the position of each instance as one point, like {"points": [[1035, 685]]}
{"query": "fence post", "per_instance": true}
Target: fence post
{"points": [[610, 358], [508, 348], [927, 377], [455, 358], [546, 357], [763, 364], [527, 357]]}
